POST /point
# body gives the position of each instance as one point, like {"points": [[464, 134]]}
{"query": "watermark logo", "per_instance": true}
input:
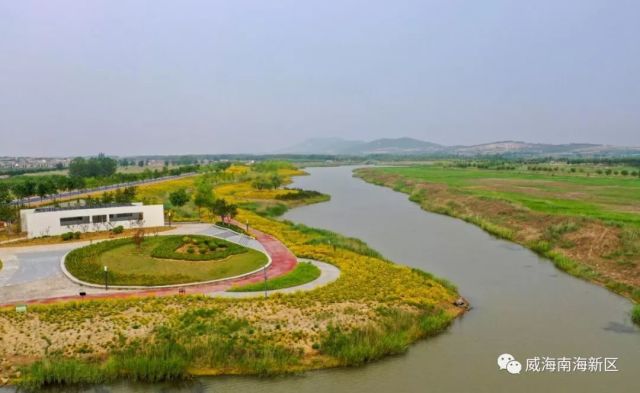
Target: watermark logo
{"points": [[509, 363], [562, 364]]}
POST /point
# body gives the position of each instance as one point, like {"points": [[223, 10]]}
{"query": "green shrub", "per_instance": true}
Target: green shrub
{"points": [[300, 194], [117, 230], [67, 236], [635, 314], [233, 227], [213, 248]]}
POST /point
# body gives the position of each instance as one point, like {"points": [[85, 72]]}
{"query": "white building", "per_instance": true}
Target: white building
{"points": [[50, 221]]}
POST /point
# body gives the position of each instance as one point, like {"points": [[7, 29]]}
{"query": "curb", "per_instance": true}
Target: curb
{"points": [[75, 280]]}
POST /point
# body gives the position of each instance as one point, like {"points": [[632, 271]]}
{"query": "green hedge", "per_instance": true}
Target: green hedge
{"points": [[635, 314], [233, 227], [204, 248]]}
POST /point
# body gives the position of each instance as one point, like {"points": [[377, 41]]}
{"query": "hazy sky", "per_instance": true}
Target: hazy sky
{"points": [[136, 77]]}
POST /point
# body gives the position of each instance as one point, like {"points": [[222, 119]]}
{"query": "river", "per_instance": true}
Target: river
{"points": [[522, 305]]}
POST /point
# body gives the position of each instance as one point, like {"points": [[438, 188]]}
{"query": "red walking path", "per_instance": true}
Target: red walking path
{"points": [[282, 261]]}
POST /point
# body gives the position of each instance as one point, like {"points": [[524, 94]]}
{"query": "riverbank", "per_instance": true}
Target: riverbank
{"points": [[603, 252], [374, 309]]}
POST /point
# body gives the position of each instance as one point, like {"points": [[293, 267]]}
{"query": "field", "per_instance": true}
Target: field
{"points": [[374, 309], [303, 273], [587, 223], [604, 197], [129, 265]]}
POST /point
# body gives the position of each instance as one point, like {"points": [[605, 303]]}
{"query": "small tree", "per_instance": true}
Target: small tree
{"points": [[224, 209], [138, 236], [179, 197], [204, 196]]}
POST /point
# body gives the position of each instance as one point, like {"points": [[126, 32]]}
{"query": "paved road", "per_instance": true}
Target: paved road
{"points": [[33, 275], [83, 191]]}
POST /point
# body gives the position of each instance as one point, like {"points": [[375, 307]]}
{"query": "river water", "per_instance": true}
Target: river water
{"points": [[522, 305]]}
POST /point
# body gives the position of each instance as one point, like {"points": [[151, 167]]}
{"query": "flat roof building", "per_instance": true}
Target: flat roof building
{"points": [[50, 221]]}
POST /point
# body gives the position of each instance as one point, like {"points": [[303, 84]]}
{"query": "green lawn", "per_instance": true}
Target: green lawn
{"points": [[610, 198], [303, 273], [129, 266]]}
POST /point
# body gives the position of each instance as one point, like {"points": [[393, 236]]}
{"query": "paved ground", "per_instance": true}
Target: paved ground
{"points": [[33, 275]]}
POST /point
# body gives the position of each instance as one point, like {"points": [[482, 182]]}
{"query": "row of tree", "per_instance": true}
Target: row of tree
{"points": [[100, 166], [204, 198]]}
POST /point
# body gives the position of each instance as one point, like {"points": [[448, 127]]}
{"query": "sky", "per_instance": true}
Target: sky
{"points": [[178, 77]]}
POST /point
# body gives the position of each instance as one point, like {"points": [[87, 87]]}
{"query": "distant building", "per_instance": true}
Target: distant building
{"points": [[50, 221]]}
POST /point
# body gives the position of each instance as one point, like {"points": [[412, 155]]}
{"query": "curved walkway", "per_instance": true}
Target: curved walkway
{"points": [[328, 274], [38, 283]]}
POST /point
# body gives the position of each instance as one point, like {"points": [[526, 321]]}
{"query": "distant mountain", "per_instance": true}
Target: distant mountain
{"points": [[411, 146], [322, 146], [398, 146], [348, 147]]}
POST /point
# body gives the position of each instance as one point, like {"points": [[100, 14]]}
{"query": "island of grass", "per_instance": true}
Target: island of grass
{"points": [[304, 272], [162, 260]]}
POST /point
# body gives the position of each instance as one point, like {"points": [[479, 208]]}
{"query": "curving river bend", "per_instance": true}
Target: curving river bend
{"points": [[521, 305]]}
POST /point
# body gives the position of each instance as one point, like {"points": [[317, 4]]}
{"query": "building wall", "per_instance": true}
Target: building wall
{"points": [[38, 224]]}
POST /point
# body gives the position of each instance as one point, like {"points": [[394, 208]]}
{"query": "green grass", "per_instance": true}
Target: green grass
{"points": [[607, 198], [130, 266], [392, 336], [303, 273], [635, 314]]}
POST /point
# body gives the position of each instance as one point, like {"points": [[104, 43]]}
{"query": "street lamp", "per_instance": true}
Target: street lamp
{"points": [[106, 282], [265, 281]]}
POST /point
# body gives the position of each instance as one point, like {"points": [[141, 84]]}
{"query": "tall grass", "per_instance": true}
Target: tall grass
{"points": [[392, 336], [323, 236], [199, 337]]}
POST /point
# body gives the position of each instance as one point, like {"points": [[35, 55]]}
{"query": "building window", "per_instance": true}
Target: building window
{"points": [[126, 217], [66, 221], [99, 219]]}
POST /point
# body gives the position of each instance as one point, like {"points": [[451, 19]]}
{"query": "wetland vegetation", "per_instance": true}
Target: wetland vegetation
{"points": [[583, 216]]}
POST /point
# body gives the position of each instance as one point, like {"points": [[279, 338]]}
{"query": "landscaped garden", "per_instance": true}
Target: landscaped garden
{"points": [[375, 308], [162, 260]]}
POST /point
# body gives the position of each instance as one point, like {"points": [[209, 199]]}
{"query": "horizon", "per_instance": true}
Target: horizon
{"points": [[254, 77], [278, 152]]}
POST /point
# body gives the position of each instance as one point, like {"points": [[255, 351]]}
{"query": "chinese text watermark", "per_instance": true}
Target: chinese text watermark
{"points": [[561, 364]]}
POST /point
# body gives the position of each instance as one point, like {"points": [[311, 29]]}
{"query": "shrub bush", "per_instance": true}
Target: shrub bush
{"points": [[117, 230], [214, 248], [233, 227], [635, 314], [299, 194]]}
